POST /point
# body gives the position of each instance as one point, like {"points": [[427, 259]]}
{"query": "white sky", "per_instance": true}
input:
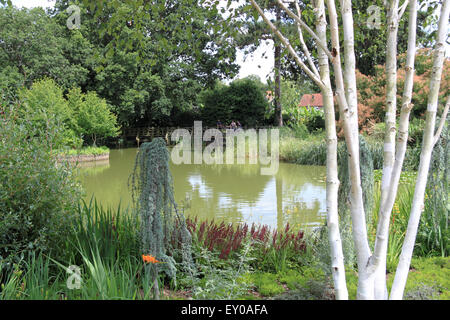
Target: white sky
{"points": [[252, 64]]}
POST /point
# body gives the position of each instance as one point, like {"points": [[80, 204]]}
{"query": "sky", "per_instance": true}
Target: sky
{"points": [[252, 64]]}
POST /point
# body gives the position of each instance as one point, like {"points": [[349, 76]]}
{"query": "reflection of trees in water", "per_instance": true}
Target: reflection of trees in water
{"points": [[110, 183], [296, 175], [293, 184], [92, 168], [301, 213], [237, 181], [235, 184], [228, 192]]}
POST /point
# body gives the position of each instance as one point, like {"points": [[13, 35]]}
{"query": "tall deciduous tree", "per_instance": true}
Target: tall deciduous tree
{"points": [[33, 45]]}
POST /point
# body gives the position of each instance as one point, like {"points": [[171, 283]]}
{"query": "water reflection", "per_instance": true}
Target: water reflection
{"points": [[233, 193]]}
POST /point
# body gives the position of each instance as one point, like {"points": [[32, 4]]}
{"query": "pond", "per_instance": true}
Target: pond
{"points": [[231, 193]]}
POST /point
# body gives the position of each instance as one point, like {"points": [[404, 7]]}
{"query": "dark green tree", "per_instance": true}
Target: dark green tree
{"points": [[152, 59], [243, 100], [33, 45]]}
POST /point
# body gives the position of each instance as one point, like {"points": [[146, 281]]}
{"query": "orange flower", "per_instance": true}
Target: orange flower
{"points": [[149, 259]]}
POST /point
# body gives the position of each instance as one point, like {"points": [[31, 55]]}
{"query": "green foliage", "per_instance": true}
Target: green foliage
{"points": [[37, 202], [310, 117], [44, 105], [308, 283], [10, 82], [150, 80], [296, 149], [367, 179], [428, 279], [114, 234], [34, 281], [94, 151], [266, 284], [399, 217], [44, 54], [80, 115], [217, 278], [93, 115], [243, 100], [434, 233]]}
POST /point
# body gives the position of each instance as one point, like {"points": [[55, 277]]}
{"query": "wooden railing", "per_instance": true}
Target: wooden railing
{"points": [[164, 132]]}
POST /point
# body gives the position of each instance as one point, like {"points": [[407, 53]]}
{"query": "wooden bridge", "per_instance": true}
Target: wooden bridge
{"points": [[145, 134]]}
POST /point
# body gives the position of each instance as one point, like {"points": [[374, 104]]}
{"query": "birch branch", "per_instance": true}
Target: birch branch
{"points": [[288, 45], [303, 44], [442, 122], [321, 44], [402, 9]]}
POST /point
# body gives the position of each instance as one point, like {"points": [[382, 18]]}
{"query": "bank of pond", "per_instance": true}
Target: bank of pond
{"points": [[101, 259], [253, 236]]}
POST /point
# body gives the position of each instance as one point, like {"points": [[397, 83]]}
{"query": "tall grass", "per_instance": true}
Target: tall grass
{"points": [[33, 280], [104, 244], [115, 234], [306, 151]]}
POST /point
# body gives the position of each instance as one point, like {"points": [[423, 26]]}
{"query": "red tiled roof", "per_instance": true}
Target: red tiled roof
{"points": [[311, 100]]}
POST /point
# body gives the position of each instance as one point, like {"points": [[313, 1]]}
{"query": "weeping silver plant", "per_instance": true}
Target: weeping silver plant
{"points": [[164, 233]]}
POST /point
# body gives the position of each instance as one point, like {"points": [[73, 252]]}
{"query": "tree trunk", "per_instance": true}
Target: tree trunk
{"points": [[277, 69], [389, 143], [337, 256], [348, 113], [425, 157]]}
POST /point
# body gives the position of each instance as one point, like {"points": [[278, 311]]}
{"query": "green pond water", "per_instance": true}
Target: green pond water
{"points": [[231, 193]]}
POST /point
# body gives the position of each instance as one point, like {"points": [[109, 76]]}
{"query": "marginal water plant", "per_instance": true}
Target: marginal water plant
{"points": [[163, 228]]}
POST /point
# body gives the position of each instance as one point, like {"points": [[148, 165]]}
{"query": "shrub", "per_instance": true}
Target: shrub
{"points": [[38, 197]]}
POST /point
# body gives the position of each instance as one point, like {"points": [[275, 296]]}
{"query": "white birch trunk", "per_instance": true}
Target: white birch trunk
{"points": [[337, 256], [348, 112], [389, 144], [370, 266], [425, 157], [386, 206]]}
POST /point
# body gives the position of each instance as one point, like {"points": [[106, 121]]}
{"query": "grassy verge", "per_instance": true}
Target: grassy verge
{"points": [[87, 151], [311, 149], [231, 263]]}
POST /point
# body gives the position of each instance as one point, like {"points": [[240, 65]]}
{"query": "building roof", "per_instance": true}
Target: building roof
{"points": [[311, 100]]}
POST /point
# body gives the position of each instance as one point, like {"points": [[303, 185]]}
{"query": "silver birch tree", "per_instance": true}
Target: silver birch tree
{"points": [[371, 267]]}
